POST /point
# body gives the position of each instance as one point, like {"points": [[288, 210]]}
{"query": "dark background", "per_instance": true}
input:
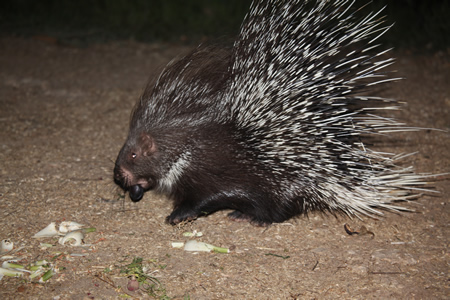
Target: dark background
{"points": [[419, 25]]}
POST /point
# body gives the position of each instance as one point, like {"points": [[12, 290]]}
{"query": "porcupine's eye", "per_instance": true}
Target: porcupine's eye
{"points": [[133, 155]]}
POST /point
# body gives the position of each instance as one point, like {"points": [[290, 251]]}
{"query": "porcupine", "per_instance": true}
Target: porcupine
{"points": [[273, 127]]}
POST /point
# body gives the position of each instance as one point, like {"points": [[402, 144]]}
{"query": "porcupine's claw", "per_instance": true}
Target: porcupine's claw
{"points": [[179, 215]]}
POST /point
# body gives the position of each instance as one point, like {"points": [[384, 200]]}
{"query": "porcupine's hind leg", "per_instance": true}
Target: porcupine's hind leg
{"points": [[239, 216], [260, 216]]}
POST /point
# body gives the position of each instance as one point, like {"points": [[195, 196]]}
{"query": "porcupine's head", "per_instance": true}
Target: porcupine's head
{"points": [[166, 122], [135, 165], [153, 153], [153, 156]]}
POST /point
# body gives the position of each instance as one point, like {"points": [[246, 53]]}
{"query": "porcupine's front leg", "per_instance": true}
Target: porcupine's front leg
{"points": [[189, 208], [183, 213]]}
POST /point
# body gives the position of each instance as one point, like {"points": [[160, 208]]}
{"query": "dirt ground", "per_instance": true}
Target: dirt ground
{"points": [[64, 115]]}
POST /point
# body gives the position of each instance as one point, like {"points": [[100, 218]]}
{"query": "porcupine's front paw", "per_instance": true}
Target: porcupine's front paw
{"points": [[179, 215]]}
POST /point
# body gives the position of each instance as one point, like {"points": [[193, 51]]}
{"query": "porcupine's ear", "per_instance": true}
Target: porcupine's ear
{"points": [[147, 143]]}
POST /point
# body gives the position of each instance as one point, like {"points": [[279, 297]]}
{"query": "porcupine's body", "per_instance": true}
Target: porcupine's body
{"points": [[271, 128]]}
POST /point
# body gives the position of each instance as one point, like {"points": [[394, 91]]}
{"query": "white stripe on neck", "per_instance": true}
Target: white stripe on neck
{"points": [[175, 172]]}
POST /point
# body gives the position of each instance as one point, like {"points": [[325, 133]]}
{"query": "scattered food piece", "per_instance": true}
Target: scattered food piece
{"points": [[194, 245], [47, 275], [49, 231], [7, 257], [37, 272], [133, 284], [193, 234], [177, 244], [45, 245], [148, 284], [68, 226], [10, 273], [64, 228], [41, 262], [12, 265], [90, 229], [35, 268], [6, 246], [77, 236]]}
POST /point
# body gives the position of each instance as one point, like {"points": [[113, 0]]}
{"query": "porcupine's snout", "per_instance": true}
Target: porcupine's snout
{"points": [[124, 180]]}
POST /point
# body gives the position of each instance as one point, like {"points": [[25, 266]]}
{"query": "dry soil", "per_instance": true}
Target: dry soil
{"points": [[64, 115]]}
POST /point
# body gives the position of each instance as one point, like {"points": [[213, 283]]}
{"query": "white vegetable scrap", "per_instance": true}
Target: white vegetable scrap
{"points": [[10, 273], [6, 246], [68, 226], [192, 234], [12, 265], [45, 246], [49, 231], [37, 272], [177, 244], [196, 246], [65, 228], [77, 236]]}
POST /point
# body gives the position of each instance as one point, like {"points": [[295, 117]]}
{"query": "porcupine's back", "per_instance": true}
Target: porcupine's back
{"points": [[187, 92], [298, 70]]}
